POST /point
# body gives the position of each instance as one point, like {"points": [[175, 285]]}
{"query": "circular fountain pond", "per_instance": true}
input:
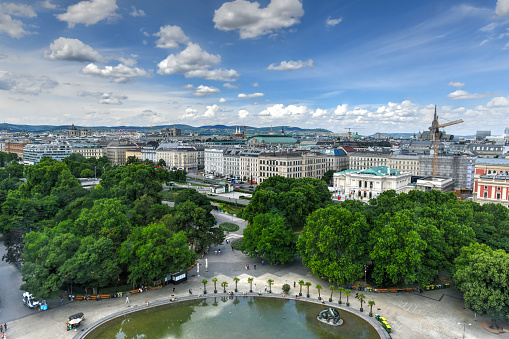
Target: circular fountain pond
{"points": [[237, 317]]}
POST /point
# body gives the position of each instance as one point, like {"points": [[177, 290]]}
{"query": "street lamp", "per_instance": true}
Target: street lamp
{"points": [[464, 327], [365, 270]]}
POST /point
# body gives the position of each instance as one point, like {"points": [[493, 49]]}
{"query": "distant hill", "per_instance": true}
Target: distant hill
{"points": [[204, 130]]}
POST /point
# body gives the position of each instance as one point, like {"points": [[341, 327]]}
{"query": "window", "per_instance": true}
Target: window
{"points": [[498, 195], [485, 194]]}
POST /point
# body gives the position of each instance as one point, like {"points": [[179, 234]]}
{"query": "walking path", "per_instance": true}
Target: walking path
{"points": [[433, 314]]}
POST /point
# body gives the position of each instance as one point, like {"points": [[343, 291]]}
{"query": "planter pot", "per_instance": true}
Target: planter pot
{"points": [[300, 294], [370, 314], [340, 302], [307, 295], [250, 291], [348, 304], [204, 292], [330, 300], [236, 291], [362, 310], [215, 291], [319, 298]]}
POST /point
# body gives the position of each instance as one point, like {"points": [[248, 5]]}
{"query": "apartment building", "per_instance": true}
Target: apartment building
{"points": [[214, 161], [148, 152], [291, 164], [365, 160], [33, 153], [116, 152], [231, 158], [16, 146], [248, 160], [491, 181], [405, 163], [88, 150], [458, 167], [178, 157]]}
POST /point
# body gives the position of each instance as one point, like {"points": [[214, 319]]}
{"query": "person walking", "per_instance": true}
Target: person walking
{"points": [[5, 327], [126, 300], [1, 328], [190, 292]]}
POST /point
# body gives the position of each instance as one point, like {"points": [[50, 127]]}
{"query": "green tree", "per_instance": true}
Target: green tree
{"points": [[308, 284], [340, 290], [301, 282], [333, 244], [347, 293], [269, 237], [327, 177], [250, 281], [87, 173], [361, 298], [270, 282], [215, 281], [224, 284], [371, 303], [153, 252], [95, 264], [319, 288], [481, 274], [236, 282], [161, 163], [107, 218]]}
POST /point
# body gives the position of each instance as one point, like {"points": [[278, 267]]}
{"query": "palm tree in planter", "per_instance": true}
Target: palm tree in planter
{"points": [[270, 282], [371, 303], [308, 284], [318, 287], [236, 281], [204, 282], [361, 299], [250, 281], [215, 281], [332, 289], [224, 284], [301, 282], [347, 293], [340, 290]]}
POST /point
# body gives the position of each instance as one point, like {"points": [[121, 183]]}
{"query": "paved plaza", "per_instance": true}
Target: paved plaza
{"points": [[432, 314]]}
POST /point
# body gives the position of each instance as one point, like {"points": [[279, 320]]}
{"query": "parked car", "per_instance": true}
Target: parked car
{"points": [[29, 300]]}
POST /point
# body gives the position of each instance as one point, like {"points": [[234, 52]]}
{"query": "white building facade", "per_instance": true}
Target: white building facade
{"points": [[32, 153]]}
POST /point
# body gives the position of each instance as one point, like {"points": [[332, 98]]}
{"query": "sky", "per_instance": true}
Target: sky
{"points": [[368, 65]]}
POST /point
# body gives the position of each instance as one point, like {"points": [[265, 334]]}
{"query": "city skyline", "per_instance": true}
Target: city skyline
{"points": [[371, 67]]}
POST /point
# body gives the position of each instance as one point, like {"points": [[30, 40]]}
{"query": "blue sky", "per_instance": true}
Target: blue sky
{"points": [[373, 66]]}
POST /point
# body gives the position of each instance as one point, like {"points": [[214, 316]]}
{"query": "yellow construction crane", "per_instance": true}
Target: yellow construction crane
{"points": [[436, 136]]}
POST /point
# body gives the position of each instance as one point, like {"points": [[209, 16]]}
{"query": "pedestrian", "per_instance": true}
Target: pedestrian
{"points": [[190, 292], [265, 288], [1, 328], [61, 301], [294, 284], [5, 327], [215, 252], [263, 262], [246, 267], [146, 302], [255, 267], [219, 251], [173, 289], [126, 300]]}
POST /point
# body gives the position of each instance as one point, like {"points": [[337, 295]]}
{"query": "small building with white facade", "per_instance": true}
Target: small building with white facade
{"points": [[369, 183], [33, 153]]}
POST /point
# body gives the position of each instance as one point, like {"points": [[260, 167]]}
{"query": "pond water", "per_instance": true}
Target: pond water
{"points": [[237, 317]]}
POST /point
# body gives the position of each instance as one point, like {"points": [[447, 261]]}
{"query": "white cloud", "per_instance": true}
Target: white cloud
{"points": [[341, 109], [25, 83], [47, 4], [211, 111], [456, 84], [498, 102], [250, 96], [460, 95], [280, 111], [319, 113], [230, 86], [120, 73], [252, 21], [104, 98], [255, 84], [188, 86], [23, 11], [204, 91], [89, 12], [290, 65], [72, 50], [222, 100], [171, 37], [243, 114], [194, 62], [502, 8], [13, 27], [137, 12], [189, 113], [333, 22]]}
